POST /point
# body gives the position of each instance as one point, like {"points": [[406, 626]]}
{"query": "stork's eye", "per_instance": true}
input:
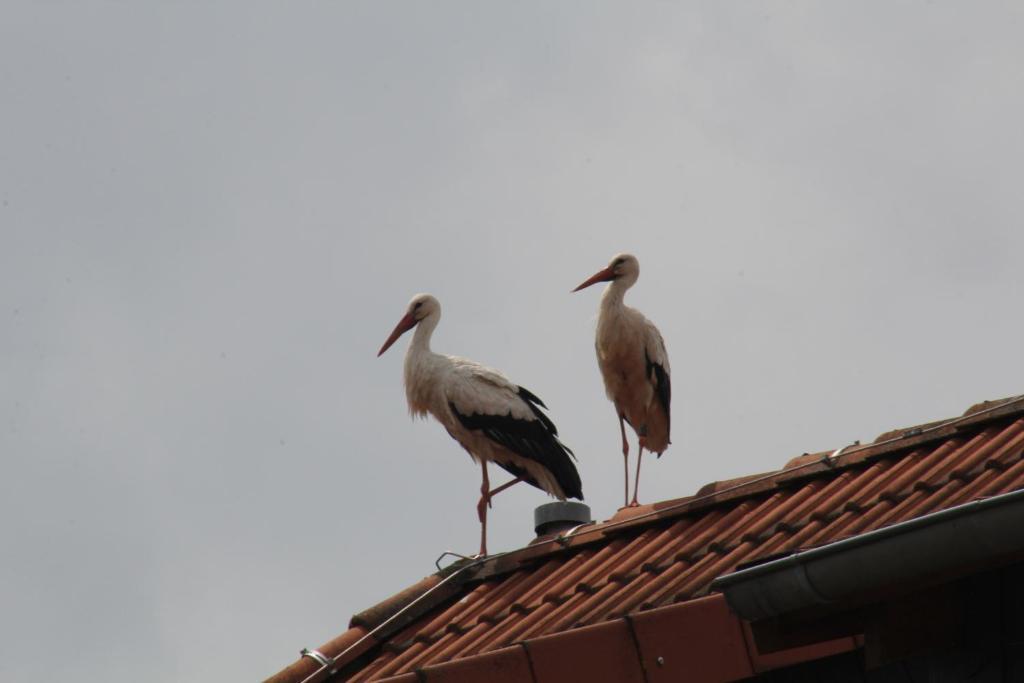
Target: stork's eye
{"points": [[418, 304], [618, 262]]}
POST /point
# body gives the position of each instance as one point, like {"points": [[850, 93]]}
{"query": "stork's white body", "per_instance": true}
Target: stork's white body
{"points": [[434, 382], [626, 343]]}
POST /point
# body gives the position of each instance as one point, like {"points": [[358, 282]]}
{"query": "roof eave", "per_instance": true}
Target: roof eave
{"points": [[921, 551]]}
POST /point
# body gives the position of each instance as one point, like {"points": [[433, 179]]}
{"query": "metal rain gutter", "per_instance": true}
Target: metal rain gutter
{"points": [[980, 532]]}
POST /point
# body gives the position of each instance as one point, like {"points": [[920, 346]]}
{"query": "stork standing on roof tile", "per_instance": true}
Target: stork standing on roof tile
{"points": [[634, 364], [492, 418]]}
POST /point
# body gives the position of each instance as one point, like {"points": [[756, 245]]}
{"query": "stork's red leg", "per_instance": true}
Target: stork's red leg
{"points": [[636, 486], [481, 508], [507, 484], [625, 458], [485, 502]]}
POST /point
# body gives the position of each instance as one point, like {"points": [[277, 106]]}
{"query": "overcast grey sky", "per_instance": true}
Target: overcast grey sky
{"points": [[212, 215]]}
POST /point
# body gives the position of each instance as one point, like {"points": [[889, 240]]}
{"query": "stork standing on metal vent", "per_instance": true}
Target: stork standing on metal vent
{"points": [[492, 418], [634, 364]]}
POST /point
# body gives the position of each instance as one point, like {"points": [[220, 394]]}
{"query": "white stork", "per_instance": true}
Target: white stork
{"points": [[634, 364], [492, 418]]}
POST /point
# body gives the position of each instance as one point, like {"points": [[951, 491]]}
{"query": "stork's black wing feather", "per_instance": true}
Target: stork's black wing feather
{"points": [[662, 386], [536, 440], [535, 406]]}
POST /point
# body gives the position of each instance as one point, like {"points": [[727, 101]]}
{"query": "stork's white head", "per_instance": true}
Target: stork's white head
{"points": [[623, 269], [421, 307]]}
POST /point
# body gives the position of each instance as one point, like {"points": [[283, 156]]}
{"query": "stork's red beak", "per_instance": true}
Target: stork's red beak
{"points": [[404, 325], [600, 276]]}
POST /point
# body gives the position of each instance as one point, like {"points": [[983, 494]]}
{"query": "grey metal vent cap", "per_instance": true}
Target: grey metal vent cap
{"points": [[559, 516]]}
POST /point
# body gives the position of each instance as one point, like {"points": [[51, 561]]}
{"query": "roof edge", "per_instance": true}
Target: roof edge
{"points": [[388, 617], [913, 552], [895, 441], [700, 635], [372, 617]]}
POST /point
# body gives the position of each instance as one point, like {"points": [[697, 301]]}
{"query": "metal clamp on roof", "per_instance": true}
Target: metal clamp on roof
{"points": [[322, 659], [451, 553], [830, 460], [564, 538]]}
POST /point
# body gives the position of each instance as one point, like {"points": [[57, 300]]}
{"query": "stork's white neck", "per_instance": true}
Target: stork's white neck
{"points": [[614, 294], [420, 367], [424, 330]]}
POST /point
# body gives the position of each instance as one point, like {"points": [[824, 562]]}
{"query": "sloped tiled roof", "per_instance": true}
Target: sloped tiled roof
{"points": [[668, 553]]}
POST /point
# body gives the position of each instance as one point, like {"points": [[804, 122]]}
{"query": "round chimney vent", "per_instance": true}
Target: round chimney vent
{"points": [[552, 518]]}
